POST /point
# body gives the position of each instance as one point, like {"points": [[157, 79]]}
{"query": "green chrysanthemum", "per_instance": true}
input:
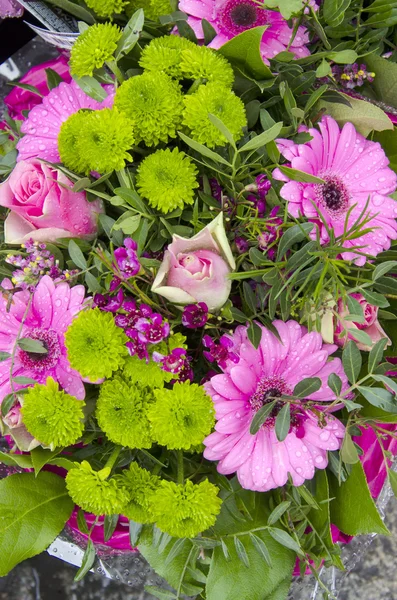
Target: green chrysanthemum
{"points": [[153, 8], [181, 417], [167, 179], [53, 417], [94, 492], [200, 62], [93, 48], [146, 374], [105, 140], [164, 55], [106, 8], [96, 346], [68, 138], [218, 101], [185, 510], [141, 486], [175, 340], [122, 409], [153, 102]]}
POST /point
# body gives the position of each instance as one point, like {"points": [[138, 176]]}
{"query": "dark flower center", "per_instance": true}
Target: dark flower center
{"points": [[333, 195], [243, 15], [41, 362], [267, 390]]}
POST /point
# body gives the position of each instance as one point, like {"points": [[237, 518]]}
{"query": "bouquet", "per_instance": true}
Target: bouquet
{"points": [[198, 296]]}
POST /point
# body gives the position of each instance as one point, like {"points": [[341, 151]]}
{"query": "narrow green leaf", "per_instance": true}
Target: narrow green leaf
{"points": [[335, 383], [292, 236], [379, 397], [7, 403], [91, 87], [360, 336], [209, 31], [261, 548], [307, 386], [351, 359], [88, 561], [376, 354], [225, 550], [4, 356], [176, 549], [201, 149], [219, 124], [254, 333], [81, 522], [135, 531], [29, 88], [76, 255], [384, 268], [349, 452], [390, 383], [284, 538], [109, 526], [53, 78], [355, 308], [283, 422], [301, 176], [23, 380], [375, 298], [131, 34], [261, 416], [278, 512], [263, 138], [393, 481], [241, 551], [34, 346], [16, 460]]}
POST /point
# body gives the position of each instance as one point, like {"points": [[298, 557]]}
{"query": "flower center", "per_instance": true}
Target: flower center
{"points": [[236, 16], [333, 195], [267, 390], [42, 362]]}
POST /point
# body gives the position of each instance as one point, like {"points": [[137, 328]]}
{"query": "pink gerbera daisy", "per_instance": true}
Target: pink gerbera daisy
{"points": [[44, 121], [47, 316], [274, 369], [354, 170], [231, 17]]}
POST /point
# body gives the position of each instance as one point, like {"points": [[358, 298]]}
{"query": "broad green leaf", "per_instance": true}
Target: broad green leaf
{"points": [[385, 267], [283, 422], [385, 82], [76, 255], [364, 116], [209, 31], [261, 416], [263, 138], [91, 87], [16, 460], [33, 512], [53, 78], [379, 397], [110, 525], [159, 593], [131, 34], [344, 57], [335, 383], [244, 51], [306, 387], [334, 11], [375, 298], [388, 141], [353, 510], [287, 7], [135, 532], [293, 235], [34, 346], [284, 538], [41, 457], [87, 562], [349, 452], [254, 333], [351, 358], [201, 149], [376, 354], [74, 9], [24, 380]]}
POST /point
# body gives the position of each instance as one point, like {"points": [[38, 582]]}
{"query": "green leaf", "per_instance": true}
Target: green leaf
{"points": [[41, 457], [244, 51], [294, 235], [16, 460], [219, 124], [87, 562], [320, 517], [384, 268], [335, 383], [132, 198], [30, 345], [375, 298], [353, 510], [306, 387], [388, 141], [376, 354], [7, 403], [76, 255], [92, 282], [278, 512], [201, 149], [355, 308], [283, 422], [349, 452], [284, 538], [110, 525], [323, 69], [287, 7], [241, 551], [254, 333], [390, 383], [364, 116], [24, 380], [53, 78], [91, 87], [261, 548], [29, 88], [360, 336], [385, 82], [379, 397], [209, 31], [135, 532], [81, 522], [263, 138], [351, 359], [344, 57], [261, 416], [393, 481], [159, 592], [131, 34], [74, 9], [33, 512], [4, 356], [334, 11], [225, 550], [301, 176]]}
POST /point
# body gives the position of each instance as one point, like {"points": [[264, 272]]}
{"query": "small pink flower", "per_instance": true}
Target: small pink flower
{"points": [[196, 269], [42, 209], [344, 330], [232, 17], [13, 418], [48, 315], [43, 124], [354, 170], [261, 461]]}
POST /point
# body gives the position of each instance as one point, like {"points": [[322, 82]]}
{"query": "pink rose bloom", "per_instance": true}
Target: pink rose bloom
{"points": [[261, 461], [371, 325], [196, 269], [42, 209], [13, 418], [19, 99], [232, 17]]}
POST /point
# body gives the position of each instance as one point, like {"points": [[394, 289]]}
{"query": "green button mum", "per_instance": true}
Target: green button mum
{"points": [[164, 55], [141, 486], [106, 8], [96, 346], [53, 417], [93, 48]]}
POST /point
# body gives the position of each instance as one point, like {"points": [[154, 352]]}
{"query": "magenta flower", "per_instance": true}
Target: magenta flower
{"points": [[49, 314], [195, 315], [354, 170], [43, 124], [219, 351], [152, 330], [127, 259], [260, 460], [231, 17]]}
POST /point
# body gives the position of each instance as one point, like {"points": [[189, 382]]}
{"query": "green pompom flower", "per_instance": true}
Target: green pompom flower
{"points": [[164, 55], [96, 346], [185, 510], [104, 141], [121, 411], [106, 8], [181, 417], [146, 374], [153, 102], [94, 492], [93, 48], [167, 179], [153, 8], [200, 62], [218, 101], [141, 485], [175, 340], [68, 139], [53, 417]]}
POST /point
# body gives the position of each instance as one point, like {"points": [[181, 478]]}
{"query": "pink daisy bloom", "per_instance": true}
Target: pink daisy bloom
{"points": [[49, 314], [44, 121], [354, 170], [260, 460], [231, 17]]}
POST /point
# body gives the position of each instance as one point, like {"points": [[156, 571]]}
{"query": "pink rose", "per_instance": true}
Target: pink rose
{"points": [[344, 329], [42, 208], [196, 269], [13, 418]]}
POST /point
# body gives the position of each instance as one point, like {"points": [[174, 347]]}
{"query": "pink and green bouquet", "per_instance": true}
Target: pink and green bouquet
{"points": [[199, 296]]}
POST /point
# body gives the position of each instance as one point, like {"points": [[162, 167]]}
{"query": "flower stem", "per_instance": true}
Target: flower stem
{"points": [[116, 71], [180, 474], [113, 457]]}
